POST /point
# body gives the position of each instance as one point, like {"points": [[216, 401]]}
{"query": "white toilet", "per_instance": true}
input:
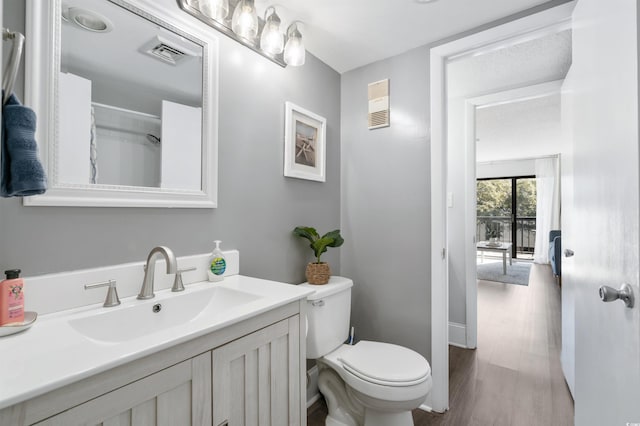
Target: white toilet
{"points": [[369, 383]]}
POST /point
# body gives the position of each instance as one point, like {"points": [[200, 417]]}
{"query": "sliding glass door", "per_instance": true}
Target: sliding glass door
{"points": [[506, 210]]}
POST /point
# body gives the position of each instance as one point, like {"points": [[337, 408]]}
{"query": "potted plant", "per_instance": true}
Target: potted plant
{"points": [[319, 272], [493, 232]]}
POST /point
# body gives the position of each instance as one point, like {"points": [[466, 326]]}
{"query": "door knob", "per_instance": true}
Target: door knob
{"points": [[568, 253], [609, 294]]}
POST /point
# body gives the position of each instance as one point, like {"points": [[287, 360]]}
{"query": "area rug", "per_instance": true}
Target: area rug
{"points": [[518, 273]]}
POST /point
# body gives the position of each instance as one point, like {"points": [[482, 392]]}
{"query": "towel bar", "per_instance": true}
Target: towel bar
{"points": [[13, 65]]}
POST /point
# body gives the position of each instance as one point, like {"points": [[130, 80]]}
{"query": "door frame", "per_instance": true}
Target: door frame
{"points": [[499, 37], [519, 94]]}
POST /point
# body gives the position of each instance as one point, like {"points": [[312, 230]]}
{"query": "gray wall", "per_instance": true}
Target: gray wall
{"points": [[258, 206], [386, 211], [386, 203]]}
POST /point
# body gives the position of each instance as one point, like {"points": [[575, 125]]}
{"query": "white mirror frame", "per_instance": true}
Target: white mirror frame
{"points": [[42, 63]]}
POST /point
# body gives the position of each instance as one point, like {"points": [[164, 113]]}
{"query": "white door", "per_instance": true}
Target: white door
{"points": [[606, 213], [568, 354]]}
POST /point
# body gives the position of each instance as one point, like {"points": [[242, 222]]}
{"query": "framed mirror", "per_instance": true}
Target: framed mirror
{"points": [[126, 100]]}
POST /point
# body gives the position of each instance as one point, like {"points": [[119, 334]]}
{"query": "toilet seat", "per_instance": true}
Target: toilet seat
{"points": [[385, 364], [371, 375]]}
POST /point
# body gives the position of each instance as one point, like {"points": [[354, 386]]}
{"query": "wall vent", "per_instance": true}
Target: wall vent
{"points": [[379, 104], [167, 52]]}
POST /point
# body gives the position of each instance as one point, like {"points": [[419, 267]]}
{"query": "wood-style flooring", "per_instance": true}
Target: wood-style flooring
{"points": [[514, 376]]}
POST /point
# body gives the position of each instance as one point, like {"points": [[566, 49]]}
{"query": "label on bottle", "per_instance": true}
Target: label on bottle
{"points": [[218, 265], [16, 302]]}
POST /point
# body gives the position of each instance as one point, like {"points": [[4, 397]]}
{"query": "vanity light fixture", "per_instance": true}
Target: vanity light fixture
{"points": [[294, 52], [244, 26], [245, 20], [215, 9], [272, 39]]}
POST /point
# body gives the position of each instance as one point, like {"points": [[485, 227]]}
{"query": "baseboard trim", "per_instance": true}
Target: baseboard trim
{"points": [[425, 407], [458, 334]]}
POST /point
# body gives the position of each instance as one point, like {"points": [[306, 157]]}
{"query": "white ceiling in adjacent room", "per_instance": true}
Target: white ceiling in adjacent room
{"points": [[522, 128], [530, 128], [544, 59]]}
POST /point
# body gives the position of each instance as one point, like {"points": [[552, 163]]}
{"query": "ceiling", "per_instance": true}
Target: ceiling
{"points": [[543, 59], [349, 34], [519, 128], [530, 128], [115, 60]]}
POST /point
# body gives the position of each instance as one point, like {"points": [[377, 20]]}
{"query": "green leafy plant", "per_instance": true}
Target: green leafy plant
{"points": [[319, 244], [493, 230]]}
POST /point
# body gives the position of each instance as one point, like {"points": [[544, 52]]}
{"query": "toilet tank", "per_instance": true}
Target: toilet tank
{"points": [[328, 316]]}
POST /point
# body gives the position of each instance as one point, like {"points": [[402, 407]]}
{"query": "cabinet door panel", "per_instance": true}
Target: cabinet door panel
{"points": [[144, 414], [252, 391], [256, 378], [279, 379], [264, 384], [122, 419], [174, 406], [178, 395]]}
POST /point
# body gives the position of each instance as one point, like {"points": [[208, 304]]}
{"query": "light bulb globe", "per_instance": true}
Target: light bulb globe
{"points": [[272, 39], [215, 9], [294, 52], [245, 20]]}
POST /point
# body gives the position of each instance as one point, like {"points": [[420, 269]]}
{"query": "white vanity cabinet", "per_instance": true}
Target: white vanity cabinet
{"points": [[256, 379], [248, 373], [178, 395]]}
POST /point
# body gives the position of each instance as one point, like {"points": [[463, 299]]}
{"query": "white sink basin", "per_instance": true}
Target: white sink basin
{"points": [[142, 318], [88, 340]]}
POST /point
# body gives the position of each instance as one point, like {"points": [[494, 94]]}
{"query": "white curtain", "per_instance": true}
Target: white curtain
{"points": [[547, 207], [93, 148]]}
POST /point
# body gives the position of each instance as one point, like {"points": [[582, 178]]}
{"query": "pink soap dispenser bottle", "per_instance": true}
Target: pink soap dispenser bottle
{"points": [[12, 298]]}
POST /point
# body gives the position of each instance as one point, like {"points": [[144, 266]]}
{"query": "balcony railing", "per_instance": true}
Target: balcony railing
{"points": [[525, 235]]}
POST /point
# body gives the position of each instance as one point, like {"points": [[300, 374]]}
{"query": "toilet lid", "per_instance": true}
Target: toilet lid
{"points": [[386, 364]]}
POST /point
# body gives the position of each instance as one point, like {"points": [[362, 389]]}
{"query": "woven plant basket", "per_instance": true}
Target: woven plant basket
{"points": [[318, 273]]}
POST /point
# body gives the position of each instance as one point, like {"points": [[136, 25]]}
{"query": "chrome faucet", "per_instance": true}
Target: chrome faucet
{"points": [[146, 292]]}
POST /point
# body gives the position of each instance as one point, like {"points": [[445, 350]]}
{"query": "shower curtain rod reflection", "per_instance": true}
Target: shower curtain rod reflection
{"points": [[128, 111], [149, 136]]}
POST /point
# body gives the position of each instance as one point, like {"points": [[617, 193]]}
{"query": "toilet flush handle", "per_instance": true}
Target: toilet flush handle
{"points": [[317, 303]]}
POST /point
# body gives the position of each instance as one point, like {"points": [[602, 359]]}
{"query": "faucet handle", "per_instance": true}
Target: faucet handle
{"points": [[177, 282], [112, 293]]}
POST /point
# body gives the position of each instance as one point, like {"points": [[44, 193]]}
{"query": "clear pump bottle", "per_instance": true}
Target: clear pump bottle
{"points": [[217, 264]]}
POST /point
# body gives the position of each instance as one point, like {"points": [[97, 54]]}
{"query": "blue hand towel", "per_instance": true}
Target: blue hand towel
{"points": [[22, 172]]}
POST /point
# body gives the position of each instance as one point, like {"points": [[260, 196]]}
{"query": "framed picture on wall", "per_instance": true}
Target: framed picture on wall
{"points": [[304, 144]]}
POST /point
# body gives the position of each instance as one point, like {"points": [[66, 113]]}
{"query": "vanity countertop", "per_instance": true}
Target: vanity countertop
{"points": [[54, 353]]}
